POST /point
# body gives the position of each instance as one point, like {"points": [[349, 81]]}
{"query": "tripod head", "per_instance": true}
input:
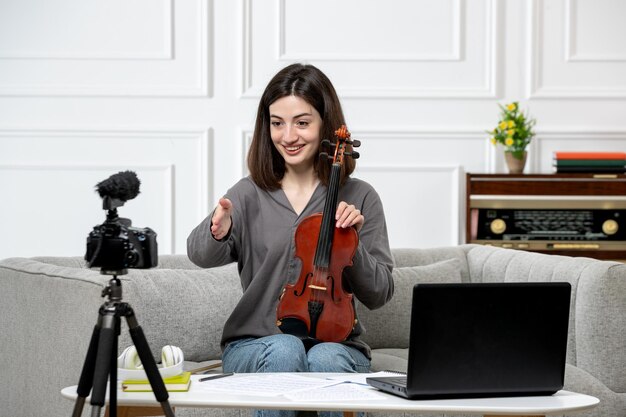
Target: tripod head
{"points": [[113, 290]]}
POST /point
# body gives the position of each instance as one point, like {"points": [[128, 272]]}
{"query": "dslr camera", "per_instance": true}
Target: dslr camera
{"points": [[115, 245]]}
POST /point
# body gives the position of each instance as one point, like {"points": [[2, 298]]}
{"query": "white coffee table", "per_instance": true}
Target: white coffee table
{"points": [[560, 403]]}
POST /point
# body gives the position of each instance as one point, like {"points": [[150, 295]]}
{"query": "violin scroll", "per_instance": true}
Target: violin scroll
{"points": [[342, 132], [343, 137]]}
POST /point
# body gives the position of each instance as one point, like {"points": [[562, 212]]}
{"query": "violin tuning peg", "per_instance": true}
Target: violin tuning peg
{"points": [[356, 143], [324, 156], [325, 142], [353, 154]]}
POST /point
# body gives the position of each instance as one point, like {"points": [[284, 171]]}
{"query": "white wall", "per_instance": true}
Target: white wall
{"points": [[170, 88]]}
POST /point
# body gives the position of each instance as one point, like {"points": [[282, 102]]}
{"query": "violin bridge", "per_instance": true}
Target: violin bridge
{"points": [[317, 287]]}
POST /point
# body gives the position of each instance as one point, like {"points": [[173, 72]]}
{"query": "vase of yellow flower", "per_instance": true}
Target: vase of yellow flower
{"points": [[514, 131]]}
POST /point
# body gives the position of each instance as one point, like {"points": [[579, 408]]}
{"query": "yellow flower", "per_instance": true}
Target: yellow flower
{"points": [[514, 128]]}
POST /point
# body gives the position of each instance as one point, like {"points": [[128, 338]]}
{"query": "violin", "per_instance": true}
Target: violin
{"points": [[317, 308]]}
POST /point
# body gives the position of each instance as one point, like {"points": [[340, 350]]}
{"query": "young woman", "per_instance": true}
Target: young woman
{"points": [[255, 222]]}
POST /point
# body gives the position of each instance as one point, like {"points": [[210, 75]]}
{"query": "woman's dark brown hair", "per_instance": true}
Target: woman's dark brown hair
{"points": [[266, 165]]}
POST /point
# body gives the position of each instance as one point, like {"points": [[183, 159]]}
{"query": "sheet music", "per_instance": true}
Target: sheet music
{"points": [[338, 392], [264, 384], [360, 378]]}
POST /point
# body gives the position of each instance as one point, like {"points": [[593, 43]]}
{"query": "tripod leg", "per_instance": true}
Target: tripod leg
{"points": [[143, 349], [103, 363], [113, 371], [86, 376]]}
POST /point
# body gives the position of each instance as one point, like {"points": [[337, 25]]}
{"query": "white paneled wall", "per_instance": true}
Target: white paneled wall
{"points": [[169, 89], [578, 49]]}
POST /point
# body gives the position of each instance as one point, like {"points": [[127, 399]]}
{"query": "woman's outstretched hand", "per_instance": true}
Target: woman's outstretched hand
{"points": [[348, 215], [221, 221]]}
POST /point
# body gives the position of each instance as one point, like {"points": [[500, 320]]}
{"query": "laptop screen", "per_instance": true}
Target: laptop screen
{"points": [[488, 339]]}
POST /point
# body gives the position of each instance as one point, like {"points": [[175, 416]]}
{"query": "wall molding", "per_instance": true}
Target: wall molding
{"points": [[535, 85], [166, 171], [167, 53], [489, 89], [202, 87], [246, 140], [457, 187], [247, 88], [456, 54], [439, 133], [571, 38], [582, 133], [202, 138]]}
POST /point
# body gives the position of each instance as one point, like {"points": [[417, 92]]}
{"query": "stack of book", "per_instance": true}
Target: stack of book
{"points": [[582, 162]]}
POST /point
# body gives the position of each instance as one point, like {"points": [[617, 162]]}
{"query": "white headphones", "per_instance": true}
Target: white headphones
{"points": [[170, 356]]}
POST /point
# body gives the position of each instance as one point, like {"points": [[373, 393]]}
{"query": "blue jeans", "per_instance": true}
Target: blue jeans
{"points": [[285, 353]]}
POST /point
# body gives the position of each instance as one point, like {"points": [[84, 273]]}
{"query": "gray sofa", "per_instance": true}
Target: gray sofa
{"points": [[48, 307]]}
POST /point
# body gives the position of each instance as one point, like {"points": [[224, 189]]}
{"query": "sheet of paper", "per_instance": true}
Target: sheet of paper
{"points": [[263, 384], [360, 378], [339, 392]]}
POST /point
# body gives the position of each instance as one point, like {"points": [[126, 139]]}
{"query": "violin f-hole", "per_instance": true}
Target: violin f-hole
{"points": [[332, 288], [304, 285]]}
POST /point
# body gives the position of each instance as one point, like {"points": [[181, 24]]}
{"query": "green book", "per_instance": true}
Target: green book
{"points": [[177, 383], [580, 170], [589, 162]]}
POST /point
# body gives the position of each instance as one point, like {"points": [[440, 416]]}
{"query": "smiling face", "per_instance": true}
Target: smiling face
{"points": [[295, 130]]}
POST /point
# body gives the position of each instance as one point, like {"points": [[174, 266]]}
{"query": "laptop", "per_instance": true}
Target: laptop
{"points": [[484, 340]]}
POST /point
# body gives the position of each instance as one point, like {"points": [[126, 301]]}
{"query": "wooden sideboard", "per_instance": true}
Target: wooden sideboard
{"points": [[565, 214]]}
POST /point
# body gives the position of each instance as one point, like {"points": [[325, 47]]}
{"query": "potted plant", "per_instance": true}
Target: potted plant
{"points": [[514, 131]]}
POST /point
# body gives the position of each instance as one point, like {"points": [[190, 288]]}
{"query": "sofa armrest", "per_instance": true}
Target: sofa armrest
{"points": [[601, 324], [47, 315], [597, 331]]}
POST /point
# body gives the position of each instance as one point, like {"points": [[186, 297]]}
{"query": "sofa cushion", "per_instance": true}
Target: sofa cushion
{"points": [[185, 308], [429, 256], [388, 326], [390, 360]]}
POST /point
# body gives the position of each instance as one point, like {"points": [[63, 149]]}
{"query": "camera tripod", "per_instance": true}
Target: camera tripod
{"points": [[101, 359]]}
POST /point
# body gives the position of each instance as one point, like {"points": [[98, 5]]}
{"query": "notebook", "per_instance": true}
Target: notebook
{"points": [[484, 340]]}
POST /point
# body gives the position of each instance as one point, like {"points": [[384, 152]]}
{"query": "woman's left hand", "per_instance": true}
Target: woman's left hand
{"points": [[348, 215]]}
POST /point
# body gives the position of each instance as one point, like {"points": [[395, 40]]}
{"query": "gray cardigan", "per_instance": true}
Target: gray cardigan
{"points": [[261, 241]]}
